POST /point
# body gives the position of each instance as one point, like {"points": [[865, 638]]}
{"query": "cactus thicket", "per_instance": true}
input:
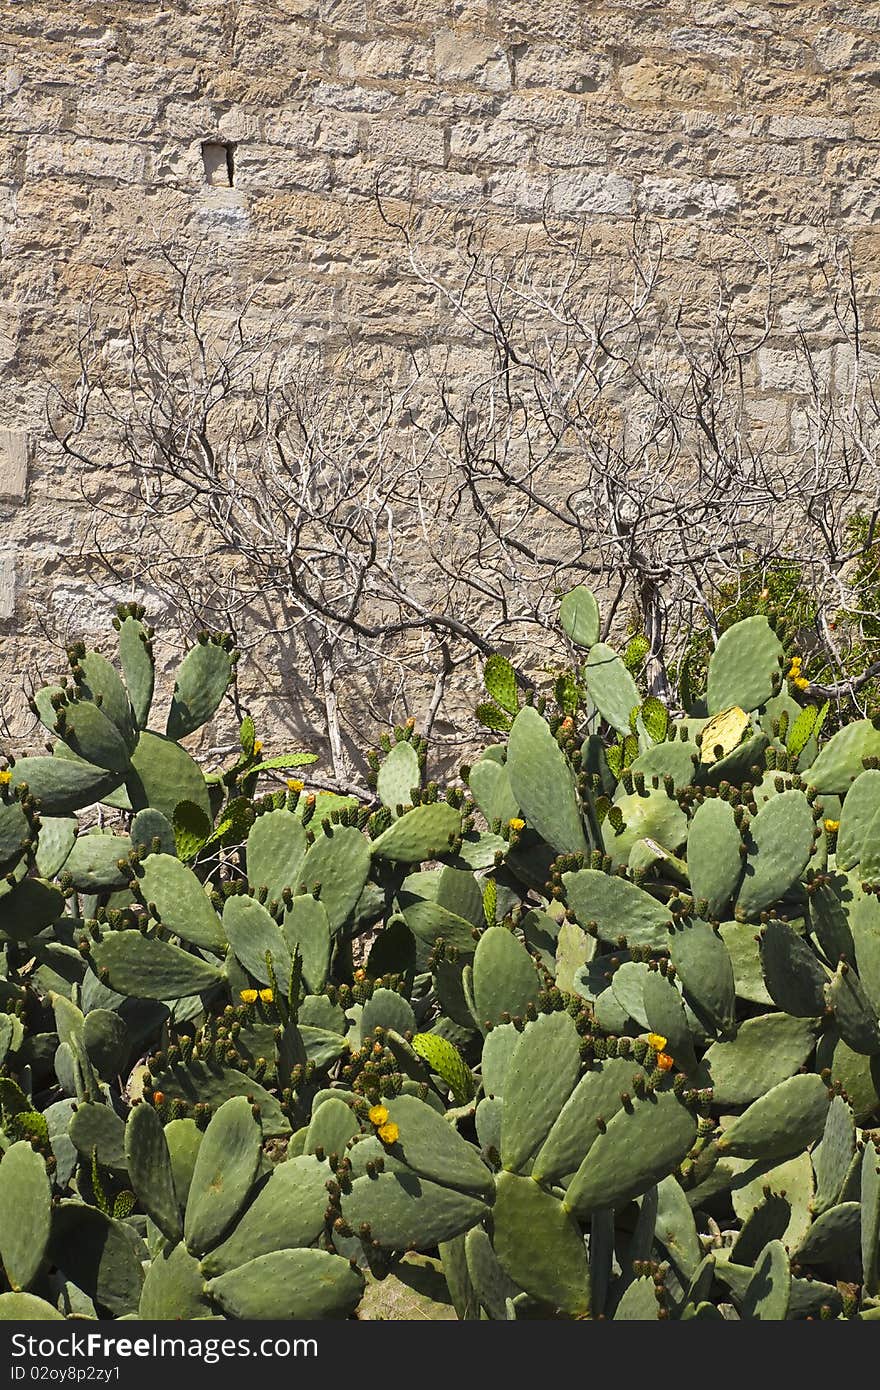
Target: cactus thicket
{"points": [[594, 1028]]}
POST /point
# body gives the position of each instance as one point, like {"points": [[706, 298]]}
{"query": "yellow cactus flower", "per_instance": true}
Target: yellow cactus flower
{"points": [[796, 664], [294, 784], [249, 996], [388, 1133], [258, 745], [664, 1061], [5, 777], [266, 996], [516, 823], [657, 1041], [832, 826], [800, 682], [378, 1114]]}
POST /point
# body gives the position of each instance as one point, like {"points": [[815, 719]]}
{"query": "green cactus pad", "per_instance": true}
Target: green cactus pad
{"points": [[337, 864], [700, 957], [853, 1011], [202, 681], [540, 1246], [57, 834], [184, 1139], [59, 785], [92, 737], [579, 617], [424, 833], [780, 1123], [107, 1041], [429, 1145], [675, 760], [276, 848], [863, 911], [543, 783], [148, 1160], [505, 979], [100, 683], [399, 775], [137, 667], [641, 1145], [794, 976], [14, 831], [99, 1255], [652, 815], [834, 1236], [833, 1156], [163, 774], [491, 1284], [744, 666], [174, 1289], [676, 1229], [94, 1127], [93, 862], [298, 1284], [27, 1307], [541, 1075], [597, 1097], [737, 766], [767, 1050], [638, 1302], [490, 785], [840, 762], [225, 1168], [287, 1213], [665, 1014], [498, 1048], [150, 969], [574, 949], [617, 907], [306, 928], [332, 1124], [28, 907], [767, 1295], [386, 1009], [860, 806], [768, 1220], [713, 855], [404, 1210], [445, 1060], [780, 844], [611, 687], [210, 1083], [430, 921], [628, 988], [149, 825], [858, 1075], [25, 1214], [182, 905], [252, 933]]}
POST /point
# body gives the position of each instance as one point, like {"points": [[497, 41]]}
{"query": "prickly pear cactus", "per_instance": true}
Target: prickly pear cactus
{"points": [[592, 1031]]}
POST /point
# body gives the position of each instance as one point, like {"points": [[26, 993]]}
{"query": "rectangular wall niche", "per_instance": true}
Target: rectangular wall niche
{"points": [[219, 164]]}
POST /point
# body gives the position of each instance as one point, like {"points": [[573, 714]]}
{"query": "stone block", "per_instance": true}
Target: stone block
{"points": [[13, 465], [467, 58], [7, 584], [596, 194]]}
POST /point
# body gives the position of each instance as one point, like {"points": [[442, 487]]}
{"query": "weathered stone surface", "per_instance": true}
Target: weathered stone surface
{"points": [[13, 465], [717, 120]]}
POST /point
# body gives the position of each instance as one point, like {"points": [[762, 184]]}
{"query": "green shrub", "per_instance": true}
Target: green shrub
{"points": [[594, 1031]]}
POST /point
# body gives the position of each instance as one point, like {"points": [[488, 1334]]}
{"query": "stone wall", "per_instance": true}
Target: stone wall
{"points": [[262, 127]]}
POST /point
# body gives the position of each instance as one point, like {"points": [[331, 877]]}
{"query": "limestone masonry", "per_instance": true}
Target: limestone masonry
{"points": [[261, 128]]}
